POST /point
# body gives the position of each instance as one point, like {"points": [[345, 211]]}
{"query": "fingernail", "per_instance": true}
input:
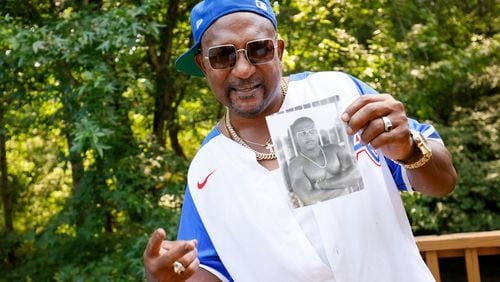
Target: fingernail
{"points": [[160, 233], [191, 244], [349, 130]]}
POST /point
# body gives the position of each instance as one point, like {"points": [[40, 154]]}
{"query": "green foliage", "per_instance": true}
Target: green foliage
{"points": [[147, 191], [473, 141], [78, 79], [89, 136]]}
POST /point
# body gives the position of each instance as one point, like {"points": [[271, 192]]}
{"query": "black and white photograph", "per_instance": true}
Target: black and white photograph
{"points": [[315, 154]]}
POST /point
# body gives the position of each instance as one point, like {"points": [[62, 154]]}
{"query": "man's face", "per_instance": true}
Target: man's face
{"points": [[306, 136], [247, 89]]}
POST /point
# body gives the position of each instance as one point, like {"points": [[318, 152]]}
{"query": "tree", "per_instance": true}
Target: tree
{"points": [[84, 72]]}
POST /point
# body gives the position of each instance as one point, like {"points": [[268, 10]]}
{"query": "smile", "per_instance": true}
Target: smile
{"points": [[246, 89], [246, 92]]}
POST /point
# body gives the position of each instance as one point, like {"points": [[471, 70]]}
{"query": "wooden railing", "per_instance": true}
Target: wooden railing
{"points": [[467, 245]]}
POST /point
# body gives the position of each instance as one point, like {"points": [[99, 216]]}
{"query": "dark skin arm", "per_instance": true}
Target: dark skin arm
{"points": [[300, 184], [436, 178]]}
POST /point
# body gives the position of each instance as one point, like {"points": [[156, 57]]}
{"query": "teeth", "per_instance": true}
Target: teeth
{"points": [[244, 89]]}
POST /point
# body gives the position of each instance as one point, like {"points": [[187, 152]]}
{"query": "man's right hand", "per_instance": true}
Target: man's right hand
{"points": [[160, 255]]}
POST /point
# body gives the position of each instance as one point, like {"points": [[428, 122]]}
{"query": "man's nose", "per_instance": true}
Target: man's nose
{"points": [[243, 68]]}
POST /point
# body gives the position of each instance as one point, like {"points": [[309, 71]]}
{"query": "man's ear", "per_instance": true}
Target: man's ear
{"points": [[281, 48], [199, 61]]}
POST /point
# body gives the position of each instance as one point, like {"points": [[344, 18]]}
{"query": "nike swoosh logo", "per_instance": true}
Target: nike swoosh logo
{"points": [[202, 184]]}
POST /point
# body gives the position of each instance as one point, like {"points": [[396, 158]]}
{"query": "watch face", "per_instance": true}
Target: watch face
{"points": [[424, 148], [421, 142]]}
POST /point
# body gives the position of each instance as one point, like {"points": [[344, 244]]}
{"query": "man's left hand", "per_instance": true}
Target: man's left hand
{"points": [[366, 113]]}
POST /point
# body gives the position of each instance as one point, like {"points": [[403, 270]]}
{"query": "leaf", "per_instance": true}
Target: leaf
{"points": [[38, 45], [136, 28], [153, 29], [104, 47]]}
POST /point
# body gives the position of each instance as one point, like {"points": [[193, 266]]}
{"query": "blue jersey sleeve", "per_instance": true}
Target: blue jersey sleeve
{"points": [[363, 88], [191, 227]]}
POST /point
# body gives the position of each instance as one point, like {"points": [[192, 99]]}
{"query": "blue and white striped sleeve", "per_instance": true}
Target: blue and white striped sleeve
{"points": [[191, 227]]}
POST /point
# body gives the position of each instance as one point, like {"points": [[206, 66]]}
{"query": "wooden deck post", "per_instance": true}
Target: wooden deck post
{"points": [[472, 265], [431, 258]]}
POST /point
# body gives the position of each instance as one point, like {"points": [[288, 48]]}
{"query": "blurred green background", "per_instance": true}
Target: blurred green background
{"points": [[97, 128]]}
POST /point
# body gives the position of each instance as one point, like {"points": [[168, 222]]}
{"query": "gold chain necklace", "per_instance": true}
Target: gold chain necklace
{"points": [[258, 144], [260, 156], [269, 146], [315, 163]]}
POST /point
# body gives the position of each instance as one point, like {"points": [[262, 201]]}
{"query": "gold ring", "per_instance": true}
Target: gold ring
{"points": [[178, 267]]}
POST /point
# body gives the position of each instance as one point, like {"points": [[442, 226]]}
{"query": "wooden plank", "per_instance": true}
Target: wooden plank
{"points": [[459, 241], [458, 253], [488, 251], [472, 265], [431, 259]]}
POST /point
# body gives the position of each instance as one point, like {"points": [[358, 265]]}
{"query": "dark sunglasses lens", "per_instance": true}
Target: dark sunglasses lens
{"points": [[261, 51], [222, 57]]}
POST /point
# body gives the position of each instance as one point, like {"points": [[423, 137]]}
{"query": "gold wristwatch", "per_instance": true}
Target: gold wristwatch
{"points": [[424, 149]]}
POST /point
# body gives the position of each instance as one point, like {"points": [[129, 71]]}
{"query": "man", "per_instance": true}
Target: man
{"points": [[237, 223], [320, 172]]}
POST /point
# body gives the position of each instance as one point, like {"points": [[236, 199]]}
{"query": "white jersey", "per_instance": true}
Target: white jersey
{"points": [[247, 231]]}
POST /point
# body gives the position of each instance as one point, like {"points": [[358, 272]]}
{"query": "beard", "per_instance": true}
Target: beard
{"points": [[254, 112], [247, 99]]}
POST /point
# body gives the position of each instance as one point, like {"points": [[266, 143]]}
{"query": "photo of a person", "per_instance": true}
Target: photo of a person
{"points": [[320, 172], [314, 152]]}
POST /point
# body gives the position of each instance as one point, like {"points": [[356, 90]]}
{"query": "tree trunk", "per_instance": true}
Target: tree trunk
{"points": [[173, 135], [76, 162], [5, 187], [167, 96], [159, 116], [69, 106]]}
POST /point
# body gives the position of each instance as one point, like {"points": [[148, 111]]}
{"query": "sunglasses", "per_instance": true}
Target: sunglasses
{"points": [[307, 132], [258, 51]]}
